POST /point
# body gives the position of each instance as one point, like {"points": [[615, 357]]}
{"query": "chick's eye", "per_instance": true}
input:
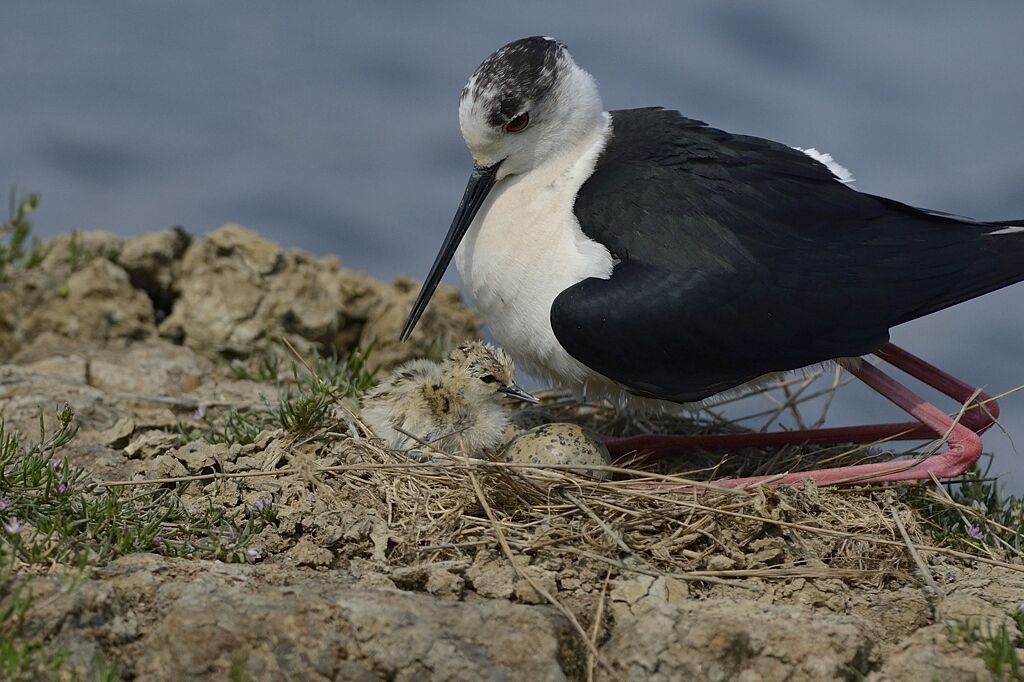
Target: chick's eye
{"points": [[489, 379], [518, 123]]}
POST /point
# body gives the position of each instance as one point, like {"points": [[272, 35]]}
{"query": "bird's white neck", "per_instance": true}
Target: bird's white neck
{"points": [[525, 247]]}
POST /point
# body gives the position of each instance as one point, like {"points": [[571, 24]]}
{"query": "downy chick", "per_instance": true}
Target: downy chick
{"points": [[454, 404]]}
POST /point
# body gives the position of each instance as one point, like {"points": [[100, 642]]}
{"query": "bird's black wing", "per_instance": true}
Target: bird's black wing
{"points": [[740, 256]]}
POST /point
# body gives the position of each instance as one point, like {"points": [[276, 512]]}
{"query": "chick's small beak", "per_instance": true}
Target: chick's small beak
{"points": [[515, 391]]}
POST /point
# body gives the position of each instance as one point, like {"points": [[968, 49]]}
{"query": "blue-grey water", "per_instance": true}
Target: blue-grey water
{"points": [[331, 126]]}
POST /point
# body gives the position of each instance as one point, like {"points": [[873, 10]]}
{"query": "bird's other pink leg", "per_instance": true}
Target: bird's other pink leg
{"points": [[964, 445]]}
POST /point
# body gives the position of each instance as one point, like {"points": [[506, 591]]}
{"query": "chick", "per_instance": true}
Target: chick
{"points": [[455, 404]]}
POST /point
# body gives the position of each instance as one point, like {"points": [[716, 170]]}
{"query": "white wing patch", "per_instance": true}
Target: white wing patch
{"points": [[841, 172], [1010, 229]]}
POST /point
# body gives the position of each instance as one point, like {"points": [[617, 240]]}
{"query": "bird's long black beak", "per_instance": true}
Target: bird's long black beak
{"points": [[480, 183]]}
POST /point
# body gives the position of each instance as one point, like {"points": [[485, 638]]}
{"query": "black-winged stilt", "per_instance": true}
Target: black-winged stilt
{"points": [[642, 251]]}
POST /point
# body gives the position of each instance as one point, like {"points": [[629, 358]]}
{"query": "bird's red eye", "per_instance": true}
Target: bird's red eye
{"points": [[518, 123]]}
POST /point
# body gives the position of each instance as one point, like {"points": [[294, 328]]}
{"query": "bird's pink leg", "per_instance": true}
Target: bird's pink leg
{"points": [[983, 410], [962, 435]]}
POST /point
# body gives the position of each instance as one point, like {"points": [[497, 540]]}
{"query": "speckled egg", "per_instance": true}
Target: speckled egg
{"points": [[521, 421], [559, 443]]}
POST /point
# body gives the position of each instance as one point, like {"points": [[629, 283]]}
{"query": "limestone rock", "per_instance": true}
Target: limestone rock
{"points": [[199, 620], [152, 370], [26, 295], [237, 288], [153, 262], [723, 639], [97, 304]]}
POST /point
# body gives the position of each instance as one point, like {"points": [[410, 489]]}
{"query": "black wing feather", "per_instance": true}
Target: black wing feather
{"points": [[741, 256]]}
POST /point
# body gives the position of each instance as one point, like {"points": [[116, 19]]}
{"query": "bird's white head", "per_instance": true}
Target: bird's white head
{"points": [[482, 371], [525, 103]]}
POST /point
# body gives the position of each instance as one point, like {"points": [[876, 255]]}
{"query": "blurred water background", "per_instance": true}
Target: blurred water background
{"points": [[331, 126]]}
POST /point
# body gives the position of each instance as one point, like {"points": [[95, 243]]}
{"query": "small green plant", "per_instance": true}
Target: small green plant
{"points": [[348, 377], [1000, 655], [24, 657], [333, 380], [105, 671], [304, 404], [234, 425], [263, 365], [238, 671], [78, 254], [998, 646], [21, 658], [19, 249], [973, 511], [305, 411]]}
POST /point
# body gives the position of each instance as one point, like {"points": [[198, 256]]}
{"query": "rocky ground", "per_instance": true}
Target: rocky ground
{"points": [[338, 560]]}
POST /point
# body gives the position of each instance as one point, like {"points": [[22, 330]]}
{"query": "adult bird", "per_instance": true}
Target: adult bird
{"points": [[642, 251]]}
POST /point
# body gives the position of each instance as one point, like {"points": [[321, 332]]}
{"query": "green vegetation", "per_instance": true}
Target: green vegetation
{"points": [[80, 254], [998, 646], [973, 513], [23, 657], [52, 512], [77, 254], [262, 366], [305, 403], [17, 251]]}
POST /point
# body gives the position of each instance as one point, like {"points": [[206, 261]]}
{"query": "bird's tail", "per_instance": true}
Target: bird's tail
{"points": [[1008, 226], [992, 261]]}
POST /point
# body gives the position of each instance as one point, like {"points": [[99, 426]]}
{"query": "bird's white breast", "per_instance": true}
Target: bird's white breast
{"points": [[526, 247]]}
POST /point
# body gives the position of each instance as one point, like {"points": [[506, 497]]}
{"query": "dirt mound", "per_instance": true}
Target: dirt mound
{"points": [[220, 296], [339, 559]]}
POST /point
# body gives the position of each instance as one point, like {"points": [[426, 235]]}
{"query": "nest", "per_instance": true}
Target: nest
{"points": [[656, 519], [653, 524]]}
